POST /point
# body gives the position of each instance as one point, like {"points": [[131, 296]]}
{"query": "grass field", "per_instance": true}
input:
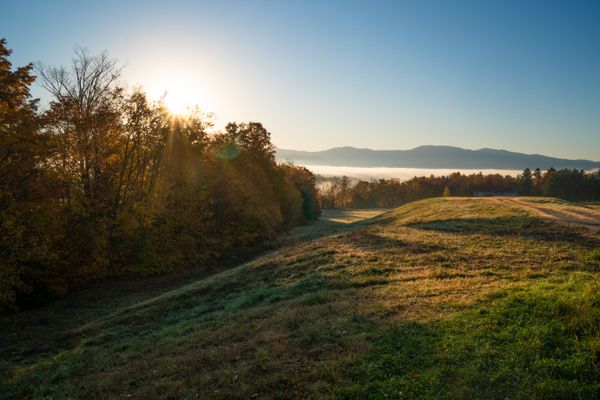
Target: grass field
{"points": [[439, 299]]}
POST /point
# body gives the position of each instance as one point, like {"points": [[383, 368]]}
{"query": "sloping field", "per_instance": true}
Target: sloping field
{"points": [[555, 210], [441, 298]]}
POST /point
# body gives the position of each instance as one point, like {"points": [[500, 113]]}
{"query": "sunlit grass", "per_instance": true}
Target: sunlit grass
{"points": [[541, 341]]}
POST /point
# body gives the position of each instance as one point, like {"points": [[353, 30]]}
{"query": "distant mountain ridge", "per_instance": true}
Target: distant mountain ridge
{"points": [[431, 157]]}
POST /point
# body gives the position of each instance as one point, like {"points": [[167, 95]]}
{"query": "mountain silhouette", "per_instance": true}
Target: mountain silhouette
{"points": [[430, 157]]}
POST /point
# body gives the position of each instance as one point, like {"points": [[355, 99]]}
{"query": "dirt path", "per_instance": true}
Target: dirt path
{"points": [[565, 213]]}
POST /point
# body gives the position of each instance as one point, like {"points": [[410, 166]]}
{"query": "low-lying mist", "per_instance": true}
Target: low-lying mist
{"points": [[368, 173]]}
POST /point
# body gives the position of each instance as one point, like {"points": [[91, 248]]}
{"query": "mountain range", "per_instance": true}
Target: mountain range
{"points": [[431, 157]]}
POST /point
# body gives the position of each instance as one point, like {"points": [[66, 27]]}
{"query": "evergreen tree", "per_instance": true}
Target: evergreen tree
{"points": [[525, 182]]}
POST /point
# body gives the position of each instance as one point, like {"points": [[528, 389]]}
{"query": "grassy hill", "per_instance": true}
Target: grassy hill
{"points": [[441, 298]]}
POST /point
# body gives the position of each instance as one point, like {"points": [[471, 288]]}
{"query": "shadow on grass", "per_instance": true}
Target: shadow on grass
{"points": [[372, 242], [518, 226], [324, 226]]}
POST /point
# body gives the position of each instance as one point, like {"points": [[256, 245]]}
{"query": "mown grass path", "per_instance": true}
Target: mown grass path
{"points": [[557, 210]]}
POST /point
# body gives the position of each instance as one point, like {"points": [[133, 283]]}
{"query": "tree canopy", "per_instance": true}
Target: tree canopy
{"points": [[105, 182]]}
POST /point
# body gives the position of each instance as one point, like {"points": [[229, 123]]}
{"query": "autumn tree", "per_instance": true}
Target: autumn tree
{"points": [[106, 182], [84, 121], [24, 184], [305, 182]]}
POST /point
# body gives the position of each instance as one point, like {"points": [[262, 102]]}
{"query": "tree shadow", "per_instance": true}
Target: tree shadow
{"points": [[372, 242]]}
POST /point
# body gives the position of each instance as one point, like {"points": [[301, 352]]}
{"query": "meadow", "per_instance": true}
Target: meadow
{"points": [[299, 200], [441, 298]]}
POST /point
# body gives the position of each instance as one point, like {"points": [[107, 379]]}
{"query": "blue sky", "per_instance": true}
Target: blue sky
{"points": [[522, 75]]}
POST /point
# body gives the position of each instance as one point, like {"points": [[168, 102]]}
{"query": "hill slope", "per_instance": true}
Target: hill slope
{"points": [[430, 157], [441, 298]]}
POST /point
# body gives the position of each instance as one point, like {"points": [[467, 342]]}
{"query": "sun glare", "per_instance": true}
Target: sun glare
{"points": [[179, 102]]}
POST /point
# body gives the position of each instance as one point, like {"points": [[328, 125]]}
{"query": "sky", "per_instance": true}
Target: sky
{"points": [[515, 75]]}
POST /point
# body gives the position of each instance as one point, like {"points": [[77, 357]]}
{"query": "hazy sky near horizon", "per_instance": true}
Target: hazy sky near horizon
{"points": [[515, 75]]}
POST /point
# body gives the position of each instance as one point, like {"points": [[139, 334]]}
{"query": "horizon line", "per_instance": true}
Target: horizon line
{"points": [[436, 145]]}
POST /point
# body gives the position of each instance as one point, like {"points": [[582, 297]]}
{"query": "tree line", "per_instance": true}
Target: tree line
{"points": [[105, 183], [569, 184]]}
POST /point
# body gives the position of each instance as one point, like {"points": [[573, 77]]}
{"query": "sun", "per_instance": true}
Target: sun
{"points": [[180, 97], [178, 101]]}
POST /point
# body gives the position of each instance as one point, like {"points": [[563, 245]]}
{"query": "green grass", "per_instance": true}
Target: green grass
{"points": [[539, 342], [442, 298]]}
